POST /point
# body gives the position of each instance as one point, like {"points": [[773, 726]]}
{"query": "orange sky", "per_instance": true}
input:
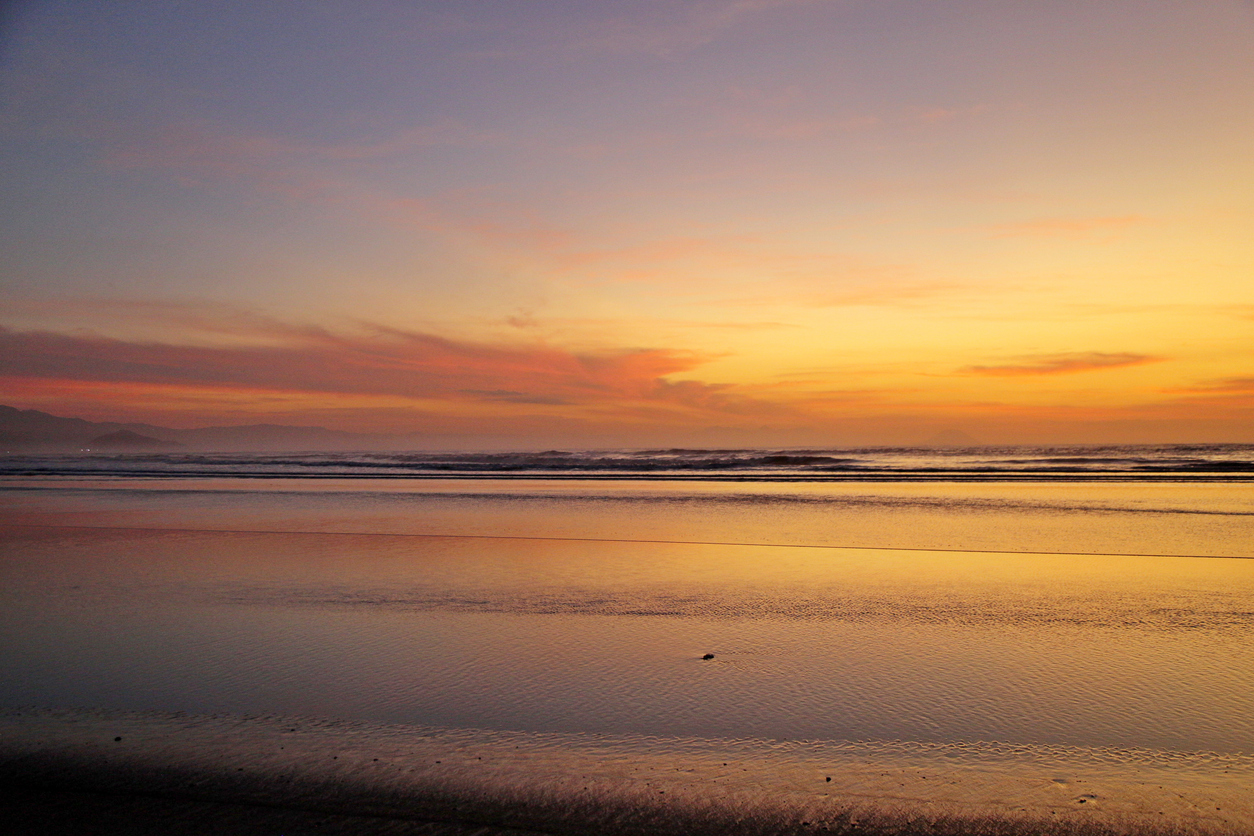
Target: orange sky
{"points": [[733, 222]]}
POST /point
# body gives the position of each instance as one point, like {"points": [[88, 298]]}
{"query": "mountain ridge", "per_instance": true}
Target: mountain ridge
{"points": [[23, 430]]}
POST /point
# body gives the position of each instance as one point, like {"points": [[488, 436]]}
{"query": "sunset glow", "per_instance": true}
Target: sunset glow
{"points": [[708, 223]]}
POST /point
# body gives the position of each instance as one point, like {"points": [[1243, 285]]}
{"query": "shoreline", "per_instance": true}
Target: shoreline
{"points": [[356, 777]]}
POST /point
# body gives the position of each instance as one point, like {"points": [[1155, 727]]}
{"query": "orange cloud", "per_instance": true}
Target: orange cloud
{"points": [[1063, 364], [1228, 386], [379, 362], [229, 366], [1235, 384]]}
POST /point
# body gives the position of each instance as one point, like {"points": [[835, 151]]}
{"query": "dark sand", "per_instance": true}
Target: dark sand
{"points": [[66, 773], [40, 811]]}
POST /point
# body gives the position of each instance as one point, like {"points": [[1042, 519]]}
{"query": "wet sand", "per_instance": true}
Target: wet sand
{"points": [[541, 676], [45, 812], [68, 772]]}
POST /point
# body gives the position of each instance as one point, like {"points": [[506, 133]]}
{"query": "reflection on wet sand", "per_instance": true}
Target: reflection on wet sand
{"points": [[606, 637], [1024, 680]]}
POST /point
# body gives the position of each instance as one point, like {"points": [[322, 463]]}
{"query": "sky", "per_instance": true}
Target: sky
{"points": [[577, 223]]}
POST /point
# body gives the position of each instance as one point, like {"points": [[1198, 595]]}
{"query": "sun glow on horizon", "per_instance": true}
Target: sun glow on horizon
{"points": [[636, 224]]}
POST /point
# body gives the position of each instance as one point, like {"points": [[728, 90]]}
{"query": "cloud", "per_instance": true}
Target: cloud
{"points": [[514, 397], [802, 127], [200, 321], [938, 114], [772, 126], [198, 143], [517, 229], [784, 116], [697, 24], [1237, 384], [1226, 385], [1062, 364], [446, 132], [1065, 227], [376, 378], [197, 151], [375, 361], [197, 154], [890, 295]]}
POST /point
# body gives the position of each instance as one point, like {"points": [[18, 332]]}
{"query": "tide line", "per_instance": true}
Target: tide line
{"points": [[535, 538]]}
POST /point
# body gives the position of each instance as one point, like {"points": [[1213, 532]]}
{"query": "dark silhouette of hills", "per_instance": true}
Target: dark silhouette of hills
{"points": [[126, 440], [31, 430]]}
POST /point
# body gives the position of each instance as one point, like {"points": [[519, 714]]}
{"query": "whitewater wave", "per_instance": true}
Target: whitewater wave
{"points": [[1197, 461]]}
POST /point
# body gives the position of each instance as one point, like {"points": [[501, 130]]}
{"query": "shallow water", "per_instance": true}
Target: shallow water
{"points": [[1147, 517], [891, 639]]}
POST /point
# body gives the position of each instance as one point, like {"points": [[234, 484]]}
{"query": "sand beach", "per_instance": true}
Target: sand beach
{"points": [[182, 772], [206, 654]]}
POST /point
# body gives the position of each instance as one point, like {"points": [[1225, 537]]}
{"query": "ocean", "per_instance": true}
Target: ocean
{"points": [[1175, 461], [1083, 610]]}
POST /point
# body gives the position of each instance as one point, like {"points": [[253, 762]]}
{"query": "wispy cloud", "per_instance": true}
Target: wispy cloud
{"points": [[378, 361], [200, 154], [1047, 364], [773, 126], [199, 322], [940, 114], [785, 117], [696, 24], [195, 152], [890, 294], [1065, 227], [1226, 385], [528, 321]]}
